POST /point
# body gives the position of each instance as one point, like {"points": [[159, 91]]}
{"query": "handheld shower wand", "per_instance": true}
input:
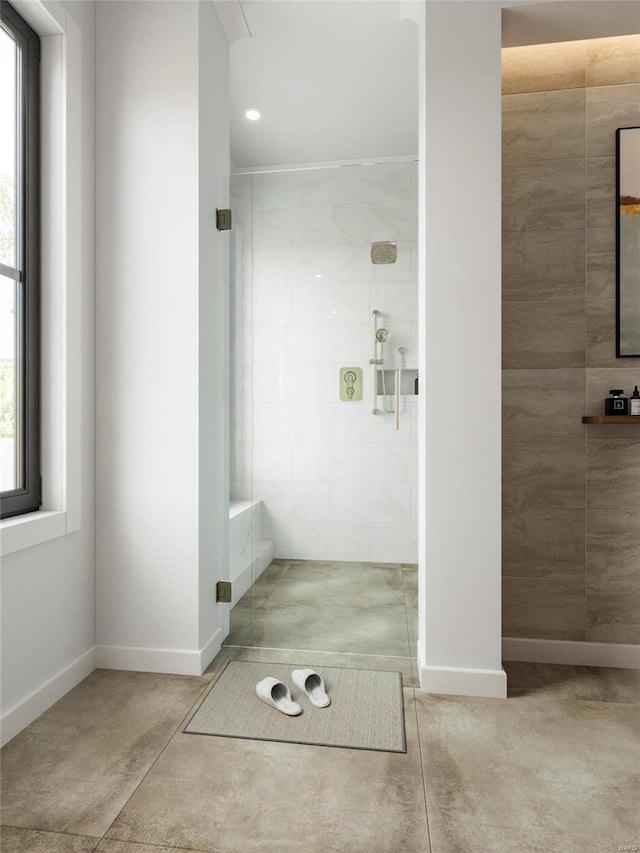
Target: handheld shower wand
{"points": [[381, 336]]}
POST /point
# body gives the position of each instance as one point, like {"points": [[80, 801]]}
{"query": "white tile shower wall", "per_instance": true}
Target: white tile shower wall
{"points": [[336, 481], [249, 552], [241, 340]]}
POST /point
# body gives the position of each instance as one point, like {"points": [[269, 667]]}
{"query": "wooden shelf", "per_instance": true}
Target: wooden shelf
{"points": [[611, 419]]}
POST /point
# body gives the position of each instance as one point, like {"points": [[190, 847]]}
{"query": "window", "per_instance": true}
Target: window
{"points": [[19, 265]]}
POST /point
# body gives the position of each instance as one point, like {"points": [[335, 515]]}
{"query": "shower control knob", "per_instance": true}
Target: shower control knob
{"points": [[351, 384], [350, 379]]}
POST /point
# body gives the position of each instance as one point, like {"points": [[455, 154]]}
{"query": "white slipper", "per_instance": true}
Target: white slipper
{"points": [[276, 693], [313, 686]]}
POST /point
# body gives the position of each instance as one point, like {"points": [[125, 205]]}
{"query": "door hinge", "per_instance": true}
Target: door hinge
{"points": [[223, 592], [223, 219]]}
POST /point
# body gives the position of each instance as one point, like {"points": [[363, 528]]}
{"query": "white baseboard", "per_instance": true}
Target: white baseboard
{"points": [[210, 649], [455, 681], [28, 709], [571, 652], [173, 661]]}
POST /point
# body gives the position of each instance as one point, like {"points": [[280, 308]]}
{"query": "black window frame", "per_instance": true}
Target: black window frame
{"points": [[28, 497]]}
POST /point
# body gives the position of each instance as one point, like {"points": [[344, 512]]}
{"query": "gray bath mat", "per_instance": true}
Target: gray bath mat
{"points": [[366, 711]]}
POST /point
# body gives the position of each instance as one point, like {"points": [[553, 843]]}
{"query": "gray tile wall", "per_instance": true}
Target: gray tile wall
{"points": [[571, 504]]}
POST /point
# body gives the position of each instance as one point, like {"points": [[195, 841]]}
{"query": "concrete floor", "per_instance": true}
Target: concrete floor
{"points": [[554, 767], [360, 608]]}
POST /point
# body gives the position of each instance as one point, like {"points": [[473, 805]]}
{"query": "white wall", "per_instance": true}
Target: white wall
{"points": [[48, 591], [460, 549], [241, 339], [337, 482], [162, 154]]}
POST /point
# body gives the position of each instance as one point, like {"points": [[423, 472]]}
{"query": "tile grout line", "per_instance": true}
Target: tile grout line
{"points": [[200, 698], [422, 771], [406, 622], [100, 839], [95, 838], [158, 846]]}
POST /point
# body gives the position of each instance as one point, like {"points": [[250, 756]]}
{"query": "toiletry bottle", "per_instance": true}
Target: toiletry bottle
{"points": [[634, 402], [616, 404]]}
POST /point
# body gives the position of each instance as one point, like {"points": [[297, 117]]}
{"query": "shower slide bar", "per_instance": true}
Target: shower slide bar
{"points": [[374, 362], [380, 337]]}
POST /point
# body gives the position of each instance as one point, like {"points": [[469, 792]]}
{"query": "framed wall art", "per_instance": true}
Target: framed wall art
{"points": [[628, 242]]}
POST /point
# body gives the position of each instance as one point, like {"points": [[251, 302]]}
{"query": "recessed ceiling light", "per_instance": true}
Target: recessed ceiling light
{"points": [[318, 275], [253, 114]]}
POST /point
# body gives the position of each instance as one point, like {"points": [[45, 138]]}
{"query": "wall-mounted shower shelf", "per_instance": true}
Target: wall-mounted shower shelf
{"points": [[407, 381], [611, 419]]}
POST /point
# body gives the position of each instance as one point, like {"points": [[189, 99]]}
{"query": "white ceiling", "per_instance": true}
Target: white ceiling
{"points": [[335, 80], [338, 79]]}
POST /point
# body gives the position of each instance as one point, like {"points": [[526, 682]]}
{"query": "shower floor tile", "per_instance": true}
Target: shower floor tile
{"points": [[333, 629], [339, 586], [356, 608]]}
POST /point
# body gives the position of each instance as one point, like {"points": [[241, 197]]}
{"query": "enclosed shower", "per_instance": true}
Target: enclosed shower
{"points": [[324, 384]]}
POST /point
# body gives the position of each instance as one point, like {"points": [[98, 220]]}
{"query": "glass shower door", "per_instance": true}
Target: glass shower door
{"points": [[242, 513]]}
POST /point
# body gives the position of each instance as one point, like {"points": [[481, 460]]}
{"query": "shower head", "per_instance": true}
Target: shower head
{"points": [[382, 336]]}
